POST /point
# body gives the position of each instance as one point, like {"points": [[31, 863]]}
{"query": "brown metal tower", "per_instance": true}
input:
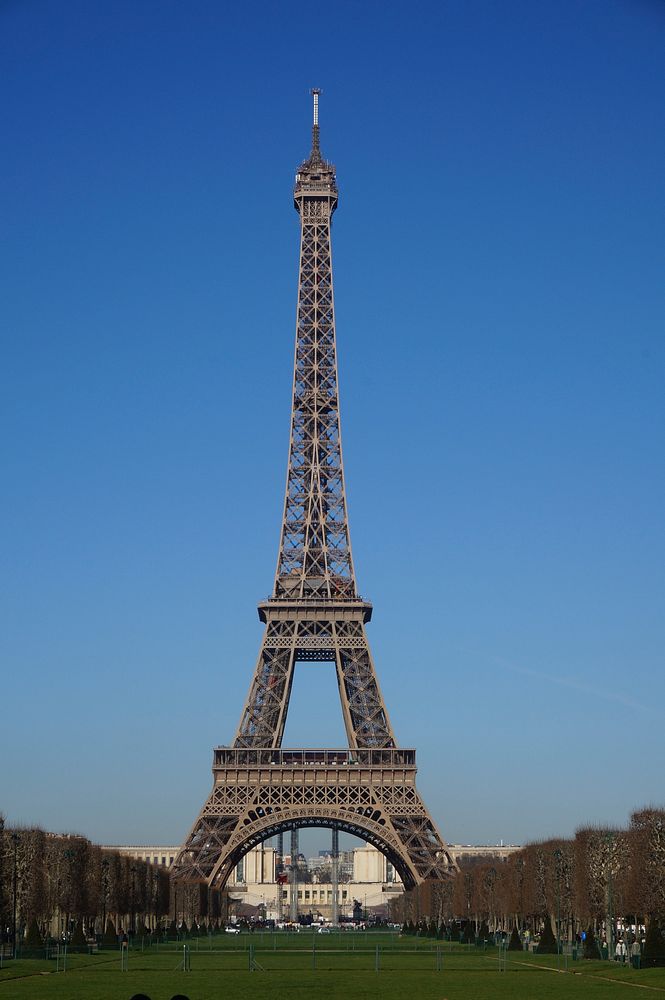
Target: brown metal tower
{"points": [[314, 614]]}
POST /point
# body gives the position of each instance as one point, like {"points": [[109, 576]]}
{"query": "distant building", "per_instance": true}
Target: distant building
{"points": [[160, 856], [258, 867], [365, 875], [466, 853], [369, 865]]}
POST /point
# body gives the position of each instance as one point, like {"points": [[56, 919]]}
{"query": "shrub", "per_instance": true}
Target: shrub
{"points": [[547, 944], [654, 946], [110, 936], [515, 943], [78, 937], [468, 935], [484, 934], [33, 938], [591, 949]]}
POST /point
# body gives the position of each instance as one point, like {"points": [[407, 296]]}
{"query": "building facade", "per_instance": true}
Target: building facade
{"points": [[365, 877]]}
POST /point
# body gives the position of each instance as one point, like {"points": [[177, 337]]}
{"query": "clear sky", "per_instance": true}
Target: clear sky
{"points": [[499, 258]]}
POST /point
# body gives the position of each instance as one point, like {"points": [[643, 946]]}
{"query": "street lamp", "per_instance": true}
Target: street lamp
{"points": [[105, 890], [132, 919], [609, 837], [15, 840], [68, 855], [557, 860], [155, 896]]}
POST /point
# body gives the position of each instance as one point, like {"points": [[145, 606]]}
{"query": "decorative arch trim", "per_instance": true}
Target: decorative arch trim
{"points": [[255, 831]]}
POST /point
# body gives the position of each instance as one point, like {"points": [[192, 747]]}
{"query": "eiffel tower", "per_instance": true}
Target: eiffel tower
{"points": [[368, 788]]}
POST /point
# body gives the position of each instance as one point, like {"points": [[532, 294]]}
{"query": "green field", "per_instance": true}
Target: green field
{"points": [[361, 966]]}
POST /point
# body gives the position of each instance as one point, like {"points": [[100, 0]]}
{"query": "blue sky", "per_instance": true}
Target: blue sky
{"points": [[498, 254]]}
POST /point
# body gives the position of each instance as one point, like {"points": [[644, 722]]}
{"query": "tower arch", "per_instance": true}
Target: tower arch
{"points": [[258, 830]]}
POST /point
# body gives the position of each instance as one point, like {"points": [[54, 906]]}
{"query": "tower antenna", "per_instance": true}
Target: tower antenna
{"points": [[316, 149]]}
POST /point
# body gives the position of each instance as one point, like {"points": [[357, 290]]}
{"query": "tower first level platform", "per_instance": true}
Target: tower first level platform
{"points": [[260, 792]]}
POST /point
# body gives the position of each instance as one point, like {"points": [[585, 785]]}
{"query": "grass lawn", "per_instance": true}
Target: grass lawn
{"points": [[335, 966]]}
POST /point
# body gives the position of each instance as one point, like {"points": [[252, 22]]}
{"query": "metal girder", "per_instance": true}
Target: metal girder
{"points": [[315, 636], [314, 613], [378, 802]]}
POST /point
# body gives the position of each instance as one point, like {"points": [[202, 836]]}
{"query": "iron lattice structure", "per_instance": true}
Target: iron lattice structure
{"points": [[314, 614]]}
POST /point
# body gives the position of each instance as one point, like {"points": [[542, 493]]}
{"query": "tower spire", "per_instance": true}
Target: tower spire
{"points": [[316, 149]]}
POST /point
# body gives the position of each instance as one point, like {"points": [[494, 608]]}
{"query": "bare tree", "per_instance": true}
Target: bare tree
{"points": [[647, 877]]}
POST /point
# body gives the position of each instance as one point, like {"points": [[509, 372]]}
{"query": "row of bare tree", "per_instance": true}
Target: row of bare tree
{"points": [[599, 875], [60, 881]]}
